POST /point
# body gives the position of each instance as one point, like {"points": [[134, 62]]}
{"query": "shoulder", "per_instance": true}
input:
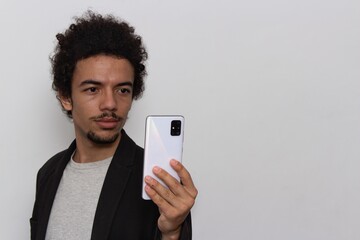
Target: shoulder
{"points": [[139, 151], [50, 165], [58, 161], [128, 152], [52, 162]]}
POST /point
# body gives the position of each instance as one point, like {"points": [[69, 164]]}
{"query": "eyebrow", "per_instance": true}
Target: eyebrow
{"points": [[98, 83]]}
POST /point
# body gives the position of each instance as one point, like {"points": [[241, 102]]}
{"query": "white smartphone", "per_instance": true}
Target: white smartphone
{"points": [[164, 136]]}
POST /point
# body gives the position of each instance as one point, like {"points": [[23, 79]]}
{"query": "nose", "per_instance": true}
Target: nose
{"points": [[108, 101]]}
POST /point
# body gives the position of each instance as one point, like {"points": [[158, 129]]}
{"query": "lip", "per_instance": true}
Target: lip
{"points": [[107, 123]]}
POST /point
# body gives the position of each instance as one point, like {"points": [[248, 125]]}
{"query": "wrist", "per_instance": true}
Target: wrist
{"points": [[172, 235]]}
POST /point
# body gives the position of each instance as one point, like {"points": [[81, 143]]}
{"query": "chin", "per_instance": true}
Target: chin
{"points": [[108, 139]]}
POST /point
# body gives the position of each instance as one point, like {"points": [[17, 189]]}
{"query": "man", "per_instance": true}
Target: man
{"points": [[93, 189]]}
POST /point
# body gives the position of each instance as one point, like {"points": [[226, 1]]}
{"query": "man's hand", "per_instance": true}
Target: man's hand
{"points": [[174, 203]]}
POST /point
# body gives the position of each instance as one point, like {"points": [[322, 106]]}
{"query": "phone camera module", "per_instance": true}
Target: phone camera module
{"points": [[175, 128]]}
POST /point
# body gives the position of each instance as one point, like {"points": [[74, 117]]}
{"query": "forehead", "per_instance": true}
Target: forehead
{"points": [[103, 68]]}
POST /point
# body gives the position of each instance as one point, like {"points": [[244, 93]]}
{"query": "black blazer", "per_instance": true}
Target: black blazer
{"points": [[121, 212]]}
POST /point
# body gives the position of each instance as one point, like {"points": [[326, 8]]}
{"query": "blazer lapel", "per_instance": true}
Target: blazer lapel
{"points": [[113, 188], [51, 187]]}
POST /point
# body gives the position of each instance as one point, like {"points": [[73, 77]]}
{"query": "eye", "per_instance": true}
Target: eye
{"points": [[124, 90], [91, 90]]}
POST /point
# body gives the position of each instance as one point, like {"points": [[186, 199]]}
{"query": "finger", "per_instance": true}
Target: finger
{"points": [[159, 191], [185, 177], [156, 198], [172, 183], [169, 215]]}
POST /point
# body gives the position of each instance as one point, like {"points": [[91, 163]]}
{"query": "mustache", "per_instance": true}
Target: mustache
{"points": [[107, 115]]}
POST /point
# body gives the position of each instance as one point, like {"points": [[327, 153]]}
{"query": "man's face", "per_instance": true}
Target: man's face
{"points": [[101, 98]]}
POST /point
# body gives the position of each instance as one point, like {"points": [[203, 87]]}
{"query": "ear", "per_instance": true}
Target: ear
{"points": [[65, 102]]}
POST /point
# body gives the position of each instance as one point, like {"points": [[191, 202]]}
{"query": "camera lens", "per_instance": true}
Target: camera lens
{"points": [[175, 129]]}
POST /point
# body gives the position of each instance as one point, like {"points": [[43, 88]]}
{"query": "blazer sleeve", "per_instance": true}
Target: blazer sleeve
{"points": [[43, 175], [34, 217]]}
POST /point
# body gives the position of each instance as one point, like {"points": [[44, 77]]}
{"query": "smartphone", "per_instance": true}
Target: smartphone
{"points": [[164, 136]]}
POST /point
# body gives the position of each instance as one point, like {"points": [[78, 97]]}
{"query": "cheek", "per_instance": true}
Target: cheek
{"points": [[127, 106], [82, 109]]}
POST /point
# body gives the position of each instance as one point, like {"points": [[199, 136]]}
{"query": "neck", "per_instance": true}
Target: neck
{"points": [[88, 151]]}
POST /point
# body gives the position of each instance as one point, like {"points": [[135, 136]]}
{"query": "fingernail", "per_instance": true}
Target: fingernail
{"points": [[156, 169]]}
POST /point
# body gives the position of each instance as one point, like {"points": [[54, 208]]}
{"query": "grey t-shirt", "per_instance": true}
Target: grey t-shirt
{"points": [[73, 210]]}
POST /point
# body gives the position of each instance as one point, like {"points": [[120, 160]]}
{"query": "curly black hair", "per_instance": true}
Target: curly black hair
{"points": [[93, 34]]}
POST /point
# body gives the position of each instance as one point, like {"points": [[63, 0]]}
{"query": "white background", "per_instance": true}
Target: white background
{"points": [[271, 94]]}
